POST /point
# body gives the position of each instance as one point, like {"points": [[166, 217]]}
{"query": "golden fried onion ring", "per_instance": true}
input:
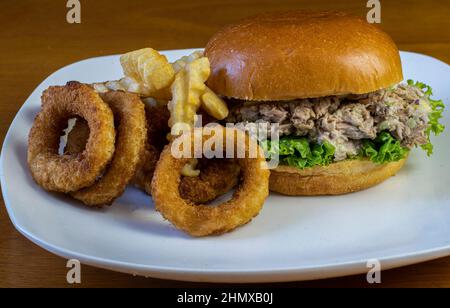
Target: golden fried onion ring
{"points": [[66, 173], [216, 178], [131, 134], [201, 220], [157, 130]]}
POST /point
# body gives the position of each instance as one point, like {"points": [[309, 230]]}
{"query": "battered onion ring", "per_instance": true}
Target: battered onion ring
{"points": [[131, 133], [217, 177], [66, 173], [201, 220], [157, 130]]}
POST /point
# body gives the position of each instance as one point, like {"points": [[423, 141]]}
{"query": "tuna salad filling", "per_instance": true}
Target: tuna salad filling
{"points": [[382, 126]]}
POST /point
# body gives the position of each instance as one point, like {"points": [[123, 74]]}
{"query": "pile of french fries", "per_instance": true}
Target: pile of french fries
{"points": [[181, 85]]}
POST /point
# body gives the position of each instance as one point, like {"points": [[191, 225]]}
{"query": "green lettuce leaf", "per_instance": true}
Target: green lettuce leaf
{"points": [[383, 149], [299, 152], [437, 107]]}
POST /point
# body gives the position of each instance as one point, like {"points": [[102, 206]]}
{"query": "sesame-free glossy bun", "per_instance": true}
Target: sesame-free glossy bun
{"points": [[299, 54], [335, 179]]}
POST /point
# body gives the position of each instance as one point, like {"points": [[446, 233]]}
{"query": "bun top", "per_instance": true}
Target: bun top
{"points": [[300, 54]]}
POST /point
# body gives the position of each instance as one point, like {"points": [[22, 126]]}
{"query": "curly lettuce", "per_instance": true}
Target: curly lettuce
{"points": [[383, 149], [437, 107], [299, 152]]}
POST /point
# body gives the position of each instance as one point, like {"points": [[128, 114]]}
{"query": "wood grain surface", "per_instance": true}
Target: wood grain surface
{"points": [[36, 40]]}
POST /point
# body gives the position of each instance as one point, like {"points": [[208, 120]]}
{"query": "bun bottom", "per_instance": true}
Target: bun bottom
{"points": [[335, 179]]}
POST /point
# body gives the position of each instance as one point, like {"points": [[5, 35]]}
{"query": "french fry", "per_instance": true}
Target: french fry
{"points": [[183, 61], [179, 97], [187, 89], [198, 72], [149, 68], [149, 74], [214, 105], [126, 84], [128, 61]]}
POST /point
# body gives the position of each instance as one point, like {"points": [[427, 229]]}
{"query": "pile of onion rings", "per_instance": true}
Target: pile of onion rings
{"points": [[216, 177], [99, 163], [202, 219], [118, 139], [157, 129]]}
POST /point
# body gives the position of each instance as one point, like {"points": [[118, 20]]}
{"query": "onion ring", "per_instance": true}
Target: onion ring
{"points": [[202, 220], [66, 173], [157, 130], [217, 177], [129, 113]]}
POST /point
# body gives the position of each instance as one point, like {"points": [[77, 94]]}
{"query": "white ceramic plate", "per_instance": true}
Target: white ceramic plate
{"points": [[405, 220]]}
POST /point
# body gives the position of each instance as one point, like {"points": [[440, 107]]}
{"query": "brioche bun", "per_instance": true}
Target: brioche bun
{"points": [[299, 54], [335, 179]]}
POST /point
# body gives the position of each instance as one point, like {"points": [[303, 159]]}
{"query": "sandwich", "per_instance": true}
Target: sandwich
{"points": [[333, 84]]}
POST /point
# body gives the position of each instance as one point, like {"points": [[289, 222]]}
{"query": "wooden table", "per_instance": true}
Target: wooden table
{"points": [[36, 40]]}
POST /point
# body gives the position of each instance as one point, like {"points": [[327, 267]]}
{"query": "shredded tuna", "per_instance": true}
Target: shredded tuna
{"points": [[345, 120]]}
